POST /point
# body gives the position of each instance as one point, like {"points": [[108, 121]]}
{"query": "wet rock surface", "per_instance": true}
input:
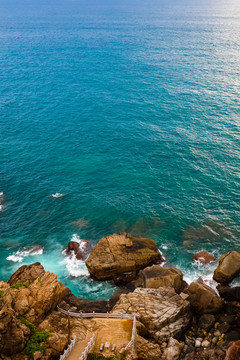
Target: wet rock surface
{"points": [[81, 249], [203, 257]]}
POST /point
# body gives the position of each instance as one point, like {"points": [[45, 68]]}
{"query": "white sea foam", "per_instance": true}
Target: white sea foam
{"points": [[57, 195], [19, 255], [1, 201], [76, 267]]}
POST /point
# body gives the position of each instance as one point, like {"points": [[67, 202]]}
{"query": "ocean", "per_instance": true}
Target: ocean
{"points": [[130, 111]]}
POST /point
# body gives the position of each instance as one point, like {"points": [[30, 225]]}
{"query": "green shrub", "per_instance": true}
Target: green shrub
{"points": [[1, 292], [37, 337], [39, 280], [32, 347], [28, 324], [19, 284], [34, 342]]}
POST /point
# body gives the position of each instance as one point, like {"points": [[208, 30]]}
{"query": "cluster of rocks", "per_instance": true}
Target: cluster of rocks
{"points": [[175, 321]]}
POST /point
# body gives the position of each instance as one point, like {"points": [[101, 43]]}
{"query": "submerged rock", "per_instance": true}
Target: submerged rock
{"points": [[120, 257], [203, 257], [203, 299], [228, 268]]}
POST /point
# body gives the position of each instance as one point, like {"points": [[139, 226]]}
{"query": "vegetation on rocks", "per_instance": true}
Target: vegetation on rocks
{"points": [[37, 338], [19, 284]]}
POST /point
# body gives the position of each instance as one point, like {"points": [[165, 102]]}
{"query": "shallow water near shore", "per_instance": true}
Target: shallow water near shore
{"points": [[129, 110]]}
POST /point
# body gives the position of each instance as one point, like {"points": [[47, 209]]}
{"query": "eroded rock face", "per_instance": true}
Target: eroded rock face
{"points": [[162, 312], [203, 257], [203, 299], [27, 273], [45, 295], [119, 257], [228, 268], [13, 334], [146, 349], [156, 276]]}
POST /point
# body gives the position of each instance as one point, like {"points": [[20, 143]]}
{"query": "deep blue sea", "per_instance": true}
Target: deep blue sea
{"points": [[130, 110]]}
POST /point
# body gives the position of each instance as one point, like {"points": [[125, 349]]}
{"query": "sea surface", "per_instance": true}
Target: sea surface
{"points": [[128, 109]]}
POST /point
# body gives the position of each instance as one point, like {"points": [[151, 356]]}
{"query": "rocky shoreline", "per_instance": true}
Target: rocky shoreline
{"points": [[175, 320]]}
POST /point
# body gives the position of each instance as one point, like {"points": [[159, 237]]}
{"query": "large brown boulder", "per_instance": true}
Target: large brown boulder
{"points": [[228, 268], [203, 299], [119, 257], [156, 276], [161, 312]]}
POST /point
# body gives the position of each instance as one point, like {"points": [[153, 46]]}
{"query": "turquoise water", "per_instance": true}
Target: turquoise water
{"points": [[131, 110]]}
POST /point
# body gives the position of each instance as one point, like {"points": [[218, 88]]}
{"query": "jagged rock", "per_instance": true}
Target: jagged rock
{"points": [[13, 334], [27, 273], [81, 249], [206, 321], [156, 276], [203, 299], [228, 268], [203, 257], [120, 257], [146, 349], [233, 352], [173, 351], [45, 295], [164, 313]]}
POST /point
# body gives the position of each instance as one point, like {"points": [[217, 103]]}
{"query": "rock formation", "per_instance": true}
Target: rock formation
{"points": [[156, 276], [203, 299], [161, 312], [27, 273], [228, 268], [80, 249], [203, 257], [120, 257]]}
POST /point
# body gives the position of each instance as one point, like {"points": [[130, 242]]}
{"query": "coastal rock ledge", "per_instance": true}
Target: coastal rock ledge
{"points": [[120, 257]]}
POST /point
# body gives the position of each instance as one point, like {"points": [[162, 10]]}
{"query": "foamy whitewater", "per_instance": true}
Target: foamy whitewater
{"points": [[118, 116]]}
